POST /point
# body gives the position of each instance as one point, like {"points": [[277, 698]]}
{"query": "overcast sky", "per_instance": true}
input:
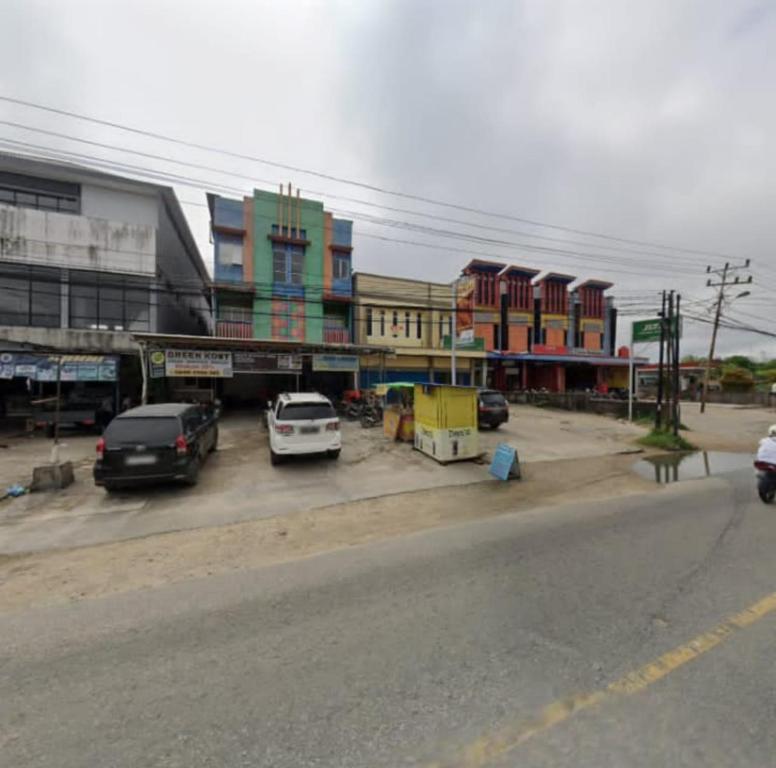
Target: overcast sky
{"points": [[649, 121]]}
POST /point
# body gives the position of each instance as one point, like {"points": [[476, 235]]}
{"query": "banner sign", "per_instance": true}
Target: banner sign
{"points": [[45, 367], [336, 363], [198, 363], [464, 303], [649, 330], [261, 362]]}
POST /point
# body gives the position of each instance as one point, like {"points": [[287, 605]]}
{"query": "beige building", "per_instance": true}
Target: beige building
{"points": [[413, 319]]}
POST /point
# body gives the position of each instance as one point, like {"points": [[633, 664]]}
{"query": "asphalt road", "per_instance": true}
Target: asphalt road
{"points": [[522, 640]]}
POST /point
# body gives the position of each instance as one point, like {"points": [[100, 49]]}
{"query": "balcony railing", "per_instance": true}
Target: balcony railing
{"points": [[234, 330], [336, 335]]}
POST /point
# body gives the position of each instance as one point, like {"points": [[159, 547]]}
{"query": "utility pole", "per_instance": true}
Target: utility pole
{"points": [[728, 279], [677, 381], [669, 325], [659, 404]]}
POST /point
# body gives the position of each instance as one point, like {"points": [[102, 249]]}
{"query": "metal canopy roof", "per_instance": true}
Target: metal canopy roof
{"points": [[258, 345]]}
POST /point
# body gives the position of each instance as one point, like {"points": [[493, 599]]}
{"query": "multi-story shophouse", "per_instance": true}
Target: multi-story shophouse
{"points": [[87, 259], [413, 319], [282, 276], [541, 331]]}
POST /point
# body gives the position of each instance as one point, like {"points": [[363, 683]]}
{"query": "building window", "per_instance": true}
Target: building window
{"points": [[290, 233], [30, 296], [14, 296], [83, 302], [407, 325], [395, 325], [288, 264], [441, 328], [419, 326], [341, 266], [108, 302], [382, 322], [230, 251], [369, 321], [450, 325], [43, 194]]}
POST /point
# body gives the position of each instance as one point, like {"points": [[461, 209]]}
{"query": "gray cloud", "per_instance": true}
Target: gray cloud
{"points": [[643, 120]]}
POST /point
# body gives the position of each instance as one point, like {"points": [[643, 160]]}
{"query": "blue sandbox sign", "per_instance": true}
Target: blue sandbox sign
{"points": [[505, 462]]}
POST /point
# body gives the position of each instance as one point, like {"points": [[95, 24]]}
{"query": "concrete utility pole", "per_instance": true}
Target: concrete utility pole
{"points": [[727, 279]]}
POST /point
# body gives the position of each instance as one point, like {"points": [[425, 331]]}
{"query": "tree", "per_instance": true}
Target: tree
{"points": [[736, 379], [740, 361]]}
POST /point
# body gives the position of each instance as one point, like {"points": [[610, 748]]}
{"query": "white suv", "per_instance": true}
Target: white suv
{"points": [[303, 422]]}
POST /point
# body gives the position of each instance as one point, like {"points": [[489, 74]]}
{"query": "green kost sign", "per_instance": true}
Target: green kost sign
{"points": [[648, 330]]}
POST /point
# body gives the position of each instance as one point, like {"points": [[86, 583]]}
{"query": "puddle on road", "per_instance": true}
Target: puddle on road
{"points": [[673, 467]]}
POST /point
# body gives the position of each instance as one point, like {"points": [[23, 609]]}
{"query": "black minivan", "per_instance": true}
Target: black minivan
{"points": [[169, 441], [492, 407]]}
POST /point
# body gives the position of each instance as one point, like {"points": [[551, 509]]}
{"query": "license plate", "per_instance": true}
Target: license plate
{"points": [[309, 430], [137, 461]]}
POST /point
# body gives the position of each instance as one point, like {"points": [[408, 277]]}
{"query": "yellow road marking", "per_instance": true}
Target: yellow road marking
{"points": [[490, 746]]}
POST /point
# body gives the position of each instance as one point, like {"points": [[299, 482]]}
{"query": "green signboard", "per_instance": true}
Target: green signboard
{"points": [[648, 330]]}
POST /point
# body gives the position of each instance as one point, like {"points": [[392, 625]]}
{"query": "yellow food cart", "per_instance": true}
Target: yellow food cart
{"points": [[446, 422]]}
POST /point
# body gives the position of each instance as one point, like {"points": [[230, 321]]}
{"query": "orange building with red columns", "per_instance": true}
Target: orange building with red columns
{"points": [[543, 330]]}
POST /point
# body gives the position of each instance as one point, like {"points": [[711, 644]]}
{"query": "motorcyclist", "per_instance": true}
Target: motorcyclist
{"points": [[767, 450]]}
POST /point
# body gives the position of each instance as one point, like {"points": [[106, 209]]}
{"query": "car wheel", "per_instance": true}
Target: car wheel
{"points": [[274, 458], [111, 488], [496, 425], [192, 474], [334, 454]]}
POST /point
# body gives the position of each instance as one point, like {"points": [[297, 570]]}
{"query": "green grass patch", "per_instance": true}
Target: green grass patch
{"points": [[665, 440]]}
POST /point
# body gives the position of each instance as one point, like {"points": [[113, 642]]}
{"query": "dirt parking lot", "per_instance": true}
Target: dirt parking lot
{"points": [[238, 483]]}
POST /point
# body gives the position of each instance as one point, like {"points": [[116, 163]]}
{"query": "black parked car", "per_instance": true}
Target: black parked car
{"points": [[493, 409], [152, 443]]}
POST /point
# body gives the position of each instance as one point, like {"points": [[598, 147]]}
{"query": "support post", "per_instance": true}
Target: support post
{"points": [[659, 403], [454, 330], [630, 378]]}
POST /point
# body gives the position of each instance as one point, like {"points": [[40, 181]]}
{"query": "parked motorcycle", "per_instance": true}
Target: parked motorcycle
{"points": [[372, 415], [766, 480]]}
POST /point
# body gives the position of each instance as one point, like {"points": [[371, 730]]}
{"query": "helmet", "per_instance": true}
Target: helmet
{"points": [[772, 430]]}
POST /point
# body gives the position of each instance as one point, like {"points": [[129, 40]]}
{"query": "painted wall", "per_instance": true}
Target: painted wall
{"points": [[119, 205], [30, 236], [264, 215]]}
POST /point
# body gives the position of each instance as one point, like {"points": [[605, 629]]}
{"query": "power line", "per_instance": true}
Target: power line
{"points": [[351, 182], [558, 253], [252, 180]]}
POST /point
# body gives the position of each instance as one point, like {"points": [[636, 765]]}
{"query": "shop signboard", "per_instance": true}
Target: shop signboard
{"points": [[45, 367], [208, 364], [156, 367], [289, 363], [25, 370], [505, 462], [549, 349], [649, 330], [335, 363], [261, 362]]}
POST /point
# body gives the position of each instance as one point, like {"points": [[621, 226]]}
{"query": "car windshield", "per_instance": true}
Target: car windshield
{"points": [[492, 398], [146, 430], [302, 411]]}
